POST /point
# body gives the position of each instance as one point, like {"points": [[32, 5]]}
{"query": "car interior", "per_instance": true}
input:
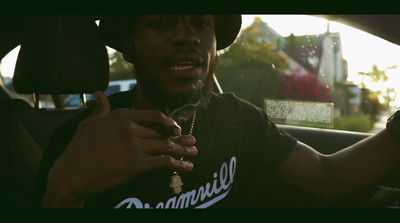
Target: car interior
{"points": [[25, 128]]}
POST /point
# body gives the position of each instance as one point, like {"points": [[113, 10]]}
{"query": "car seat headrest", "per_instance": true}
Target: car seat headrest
{"points": [[62, 54]]}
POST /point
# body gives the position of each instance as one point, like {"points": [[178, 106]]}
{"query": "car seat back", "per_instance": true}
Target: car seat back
{"points": [[62, 54]]}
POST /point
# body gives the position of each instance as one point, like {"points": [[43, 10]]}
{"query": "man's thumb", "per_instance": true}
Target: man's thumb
{"points": [[102, 108]]}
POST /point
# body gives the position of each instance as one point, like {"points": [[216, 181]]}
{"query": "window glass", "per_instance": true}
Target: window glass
{"points": [[307, 71], [132, 85], [303, 70], [7, 65], [112, 89], [120, 70]]}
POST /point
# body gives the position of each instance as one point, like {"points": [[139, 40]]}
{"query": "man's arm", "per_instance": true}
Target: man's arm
{"points": [[345, 172]]}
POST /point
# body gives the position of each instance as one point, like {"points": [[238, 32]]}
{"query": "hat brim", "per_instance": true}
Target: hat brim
{"points": [[114, 29]]}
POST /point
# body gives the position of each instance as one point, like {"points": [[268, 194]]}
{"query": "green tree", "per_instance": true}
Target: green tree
{"points": [[119, 68], [251, 67], [370, 103], [293, 41], [375, 74]]}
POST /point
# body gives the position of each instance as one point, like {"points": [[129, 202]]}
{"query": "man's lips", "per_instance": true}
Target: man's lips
{"points": [[182, 62]]}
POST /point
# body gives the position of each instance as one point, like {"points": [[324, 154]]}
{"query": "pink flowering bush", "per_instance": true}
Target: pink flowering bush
{"points": [[304, 87]]}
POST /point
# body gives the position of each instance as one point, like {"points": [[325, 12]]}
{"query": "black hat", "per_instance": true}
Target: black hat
{"points": [[114, 29]]}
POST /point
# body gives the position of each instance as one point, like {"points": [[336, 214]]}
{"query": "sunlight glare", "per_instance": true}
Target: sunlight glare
{"points": [[7, 64]]}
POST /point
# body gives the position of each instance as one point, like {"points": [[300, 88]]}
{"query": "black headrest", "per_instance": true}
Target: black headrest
{"points": [[62, 54], [13, 28]]}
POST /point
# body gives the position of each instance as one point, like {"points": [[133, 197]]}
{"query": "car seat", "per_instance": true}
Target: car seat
{"points": [[62, 54]]}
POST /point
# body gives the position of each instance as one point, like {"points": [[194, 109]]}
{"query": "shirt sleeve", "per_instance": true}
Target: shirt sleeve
{"points": [[58, 141], [267, 146]]}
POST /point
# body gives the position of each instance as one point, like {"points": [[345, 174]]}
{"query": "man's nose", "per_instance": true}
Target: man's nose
{"points": [[186, 34]]}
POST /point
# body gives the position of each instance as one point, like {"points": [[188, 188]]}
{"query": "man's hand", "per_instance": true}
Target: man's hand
{"points": [[111, 148]]}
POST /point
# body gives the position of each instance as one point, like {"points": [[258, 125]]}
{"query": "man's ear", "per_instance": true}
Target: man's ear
{"points": [[128, 53]]}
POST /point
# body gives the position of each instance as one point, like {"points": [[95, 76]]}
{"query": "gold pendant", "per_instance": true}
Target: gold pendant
{"points": [[176, 184]]}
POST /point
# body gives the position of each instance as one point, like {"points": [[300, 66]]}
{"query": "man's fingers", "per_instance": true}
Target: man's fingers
{"points": [[102, 108], [165, 146], [185, 140], [168, 162]]}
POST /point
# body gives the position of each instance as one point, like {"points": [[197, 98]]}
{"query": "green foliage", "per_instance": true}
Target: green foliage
{"points": [[250, 83], [356, 123], [250, 68], [119, 68], [375, 74], [370, 97], [251, 53], [293, 41]]}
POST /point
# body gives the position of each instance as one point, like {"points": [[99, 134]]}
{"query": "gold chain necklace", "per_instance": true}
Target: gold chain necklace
{"points": [[176, 181]]}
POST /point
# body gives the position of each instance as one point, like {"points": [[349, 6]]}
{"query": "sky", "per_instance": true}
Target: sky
{"points": [[360, 49]]}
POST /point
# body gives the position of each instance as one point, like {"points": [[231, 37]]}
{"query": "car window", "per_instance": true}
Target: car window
{"points": [[302, 70], [308, 71], [120, 72], [112, 89], [73, 100]]}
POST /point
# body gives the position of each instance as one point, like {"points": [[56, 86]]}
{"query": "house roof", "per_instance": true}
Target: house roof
{"points": [[306, 50], [309, 48]]}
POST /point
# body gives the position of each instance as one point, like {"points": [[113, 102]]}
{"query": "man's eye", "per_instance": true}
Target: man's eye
{"points": [[159, 23], [202, 23]]}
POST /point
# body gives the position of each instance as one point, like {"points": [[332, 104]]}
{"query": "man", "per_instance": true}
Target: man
{"points": [[121, 154]]}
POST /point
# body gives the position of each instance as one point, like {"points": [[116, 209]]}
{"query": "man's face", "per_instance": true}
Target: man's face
{"points": [[171, 52]]}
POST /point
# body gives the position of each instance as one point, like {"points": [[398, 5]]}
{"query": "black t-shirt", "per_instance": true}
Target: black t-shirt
{"points": [[238, 146]]}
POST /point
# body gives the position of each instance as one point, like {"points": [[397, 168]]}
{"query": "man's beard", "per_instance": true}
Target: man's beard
{"points": [[166, 101]]}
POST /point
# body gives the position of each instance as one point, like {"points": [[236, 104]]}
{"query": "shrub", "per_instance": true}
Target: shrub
{"points": [[357, 123], [304, 87]]}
